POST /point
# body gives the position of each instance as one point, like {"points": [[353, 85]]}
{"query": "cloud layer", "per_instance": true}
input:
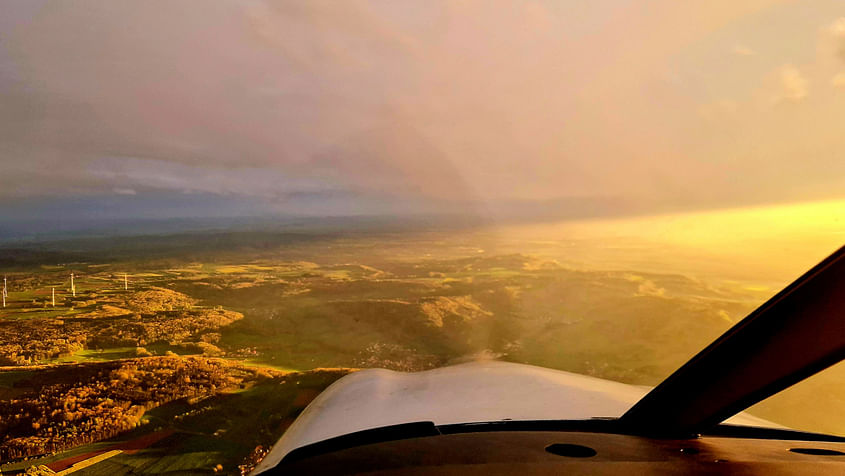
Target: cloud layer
{"points": [[400, 106]]}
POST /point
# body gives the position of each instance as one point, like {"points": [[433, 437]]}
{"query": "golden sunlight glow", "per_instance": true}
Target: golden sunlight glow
{"points": [[766, 244]]}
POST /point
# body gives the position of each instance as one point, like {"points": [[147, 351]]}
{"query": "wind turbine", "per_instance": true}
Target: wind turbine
{"points": [[72, 287], [5, 292]]}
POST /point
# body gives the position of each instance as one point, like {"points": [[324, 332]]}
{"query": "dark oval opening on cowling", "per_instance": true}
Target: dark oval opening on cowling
{"points": [[817, 451], [572, 451]]}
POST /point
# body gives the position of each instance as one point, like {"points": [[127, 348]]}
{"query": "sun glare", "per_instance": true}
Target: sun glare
{"points": [[765, 244]]}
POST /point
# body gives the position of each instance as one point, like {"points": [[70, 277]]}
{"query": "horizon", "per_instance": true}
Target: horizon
{"points": [[14, 228], [736, 241]]}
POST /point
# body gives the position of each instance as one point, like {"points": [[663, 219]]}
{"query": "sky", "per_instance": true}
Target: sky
{"points": [[546, 109]]}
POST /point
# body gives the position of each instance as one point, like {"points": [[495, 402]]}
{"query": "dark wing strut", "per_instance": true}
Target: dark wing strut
{"points": [[798, 332]]}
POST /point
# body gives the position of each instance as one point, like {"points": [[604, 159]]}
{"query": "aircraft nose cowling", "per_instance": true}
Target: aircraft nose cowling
{"points": [[465, 393]]}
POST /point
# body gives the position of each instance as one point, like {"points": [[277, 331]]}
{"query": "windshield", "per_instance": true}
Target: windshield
{"points": [[210, 211]]}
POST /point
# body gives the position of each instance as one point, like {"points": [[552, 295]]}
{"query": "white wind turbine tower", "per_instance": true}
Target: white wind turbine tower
{"points": [[125, 282], [72, 287], [54, 296], [5, 293]]}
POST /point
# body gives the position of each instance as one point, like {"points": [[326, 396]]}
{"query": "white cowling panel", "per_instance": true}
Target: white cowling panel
{"points": [[472, 392]]}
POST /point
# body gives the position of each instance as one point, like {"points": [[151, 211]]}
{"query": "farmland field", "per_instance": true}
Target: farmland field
{"points": [[256, 324]]}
